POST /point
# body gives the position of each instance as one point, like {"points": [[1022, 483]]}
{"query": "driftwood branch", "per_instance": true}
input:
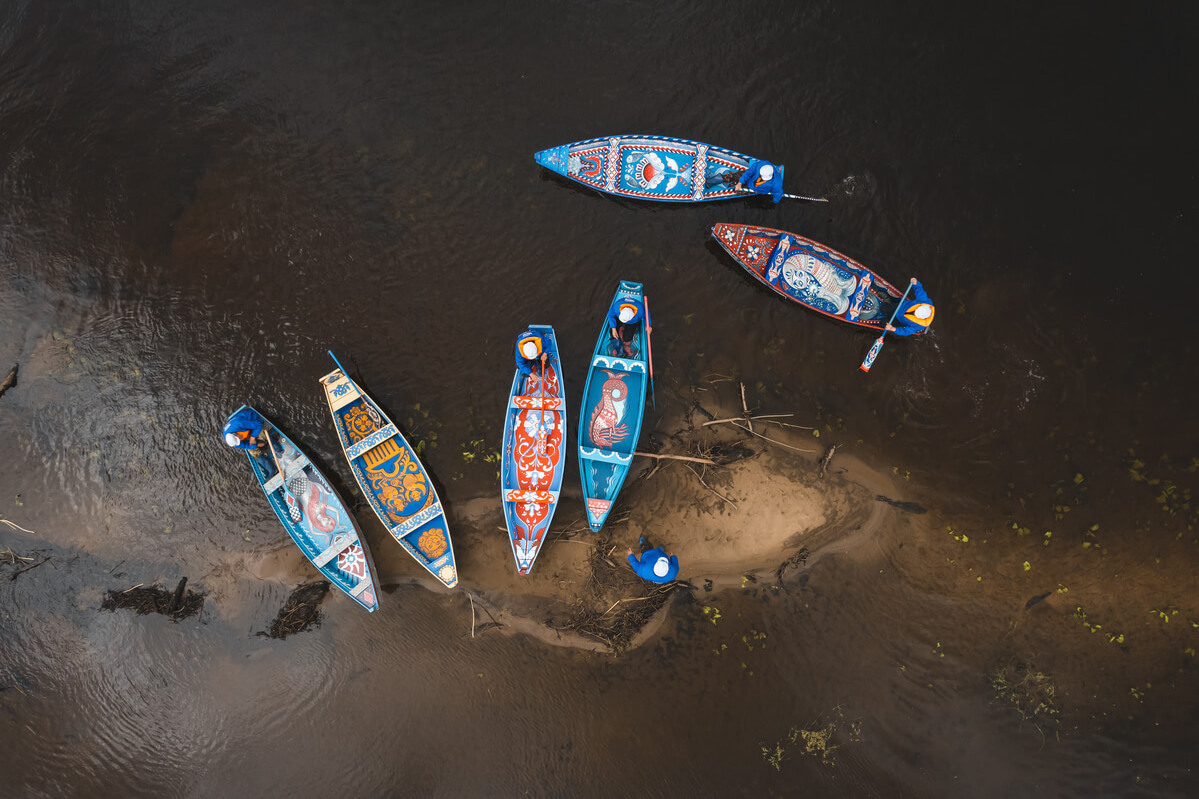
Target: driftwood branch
{"points": [[745, 408], [676, 458], [699, 477]]}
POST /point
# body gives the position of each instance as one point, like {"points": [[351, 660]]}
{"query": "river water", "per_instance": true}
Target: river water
{"points": [[197, 200]]}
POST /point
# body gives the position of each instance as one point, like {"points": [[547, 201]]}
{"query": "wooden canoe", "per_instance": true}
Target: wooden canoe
{"points": [[649, 167], [611, 414], [315, 516], [811, 274], [533, 459], [391, 476]]}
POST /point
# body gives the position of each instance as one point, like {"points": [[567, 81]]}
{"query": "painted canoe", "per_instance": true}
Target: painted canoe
{"points": [[811, 274], [391, 476], [534, 454], [649, 167], [611, 414], [315, 516]]}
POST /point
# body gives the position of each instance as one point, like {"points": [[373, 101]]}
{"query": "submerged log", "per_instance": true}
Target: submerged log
{"points": [[10, 381]]}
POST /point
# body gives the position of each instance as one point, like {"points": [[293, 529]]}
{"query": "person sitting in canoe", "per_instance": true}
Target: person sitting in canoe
{"points": [[244, 430], [916, 314], [623, 318], [530, 350], [654, 565], [762, 177]]}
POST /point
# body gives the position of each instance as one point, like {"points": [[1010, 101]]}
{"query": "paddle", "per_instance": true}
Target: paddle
{"points": [[791, 196], [878, 343], [649, 346], [279, 468]]}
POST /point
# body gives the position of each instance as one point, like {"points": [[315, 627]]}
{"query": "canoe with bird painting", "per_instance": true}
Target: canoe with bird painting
{"points": [[613, 407], [391, 476], [314, 515]]}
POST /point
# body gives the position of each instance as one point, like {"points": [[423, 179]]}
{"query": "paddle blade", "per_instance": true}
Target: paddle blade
{"points": [[870, 356]]}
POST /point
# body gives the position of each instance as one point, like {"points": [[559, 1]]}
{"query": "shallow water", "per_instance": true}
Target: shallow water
{"points": [[198, 202]]}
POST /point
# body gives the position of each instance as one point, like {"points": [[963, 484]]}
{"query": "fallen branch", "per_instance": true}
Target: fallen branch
{"points": [[472, 614], [16, 526], [676, 458], [771, 440], [745, 408], [713, 490]]}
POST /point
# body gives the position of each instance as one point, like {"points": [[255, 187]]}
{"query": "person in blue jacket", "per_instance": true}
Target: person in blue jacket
{"points": [[244, 430], [654, 565], [762, 177], [623, 317], [531, 351], [916, 313]]}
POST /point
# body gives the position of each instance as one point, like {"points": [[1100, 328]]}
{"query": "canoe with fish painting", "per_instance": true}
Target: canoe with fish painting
{"points": [[811, 274]]}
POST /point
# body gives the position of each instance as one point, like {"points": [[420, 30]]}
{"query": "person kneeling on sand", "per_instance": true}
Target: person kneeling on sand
{"points": [[654, 565]]}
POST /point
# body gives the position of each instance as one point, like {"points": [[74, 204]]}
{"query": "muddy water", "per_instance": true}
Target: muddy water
{"points": [[198, 202]]}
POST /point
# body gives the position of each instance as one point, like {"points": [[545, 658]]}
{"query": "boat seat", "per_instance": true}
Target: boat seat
{"points": [[339, 545]]}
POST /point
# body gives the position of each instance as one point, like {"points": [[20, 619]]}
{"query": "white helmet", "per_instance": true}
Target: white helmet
{"points": [[529, 350], [627, 312], [231, 439], [767, 172], [661, 567]]}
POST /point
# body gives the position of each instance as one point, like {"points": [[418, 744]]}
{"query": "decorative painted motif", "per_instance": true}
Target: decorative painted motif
{"points": [[433, 543], [360, 421], [371, 441], [607, 425], [426, 515], [399, 482], [598, 508], [447, 574], [351, 560]]}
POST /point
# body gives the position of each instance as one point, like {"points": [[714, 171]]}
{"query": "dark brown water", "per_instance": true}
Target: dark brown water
{"points": [[196, 201]]}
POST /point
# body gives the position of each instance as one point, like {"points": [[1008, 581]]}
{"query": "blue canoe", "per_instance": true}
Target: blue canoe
{"points": [[314, 516], [533, 460], [611, 414], [811, 274], [391, 476], [649, 167]]}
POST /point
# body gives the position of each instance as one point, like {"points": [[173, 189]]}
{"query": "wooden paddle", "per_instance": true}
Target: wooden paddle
{"points": [[279, 468], [878, 343], [649, 347]]}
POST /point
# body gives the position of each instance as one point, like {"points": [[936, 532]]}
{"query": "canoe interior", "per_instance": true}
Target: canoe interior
{"points": [[392, 478], [316, 518], [611, 414], [811, 274], [533, 459], [648, 167]]}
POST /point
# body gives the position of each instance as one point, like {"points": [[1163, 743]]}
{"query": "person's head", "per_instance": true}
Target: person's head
{"points": [[626, 313], [920, 314], [232, 439], [767, 172], [661, 567], [530, 346]]}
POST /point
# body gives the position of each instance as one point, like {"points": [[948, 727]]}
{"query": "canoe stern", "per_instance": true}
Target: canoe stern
{"points": [[554, 159]]}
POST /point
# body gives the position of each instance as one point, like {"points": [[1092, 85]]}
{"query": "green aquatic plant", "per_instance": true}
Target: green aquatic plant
{"points": [[814, 740]]}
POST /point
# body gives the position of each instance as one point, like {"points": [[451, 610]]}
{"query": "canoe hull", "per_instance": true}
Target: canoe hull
{"points": [[811, 274], [316, 518], [391, 477], [534, 455], [611, 415], [648, 167]]}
